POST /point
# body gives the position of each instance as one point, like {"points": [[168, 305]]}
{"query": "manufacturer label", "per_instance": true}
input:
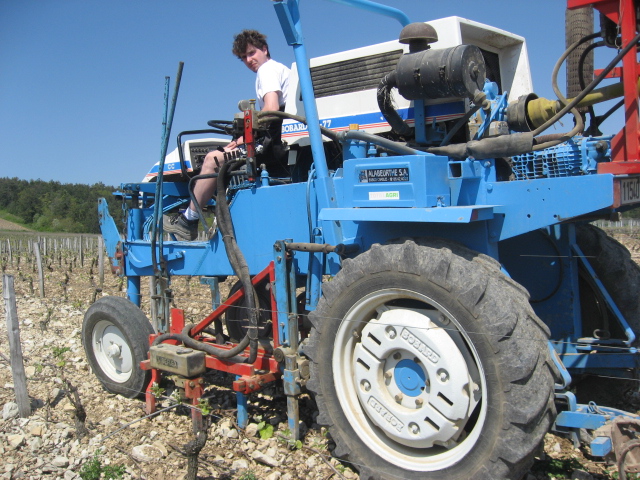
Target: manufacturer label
{"points": [[384, 195], [385, 414], [420, 346], [384, 175]]}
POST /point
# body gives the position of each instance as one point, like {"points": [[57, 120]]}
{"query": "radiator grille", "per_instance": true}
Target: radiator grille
{"points": [[353, 75]]}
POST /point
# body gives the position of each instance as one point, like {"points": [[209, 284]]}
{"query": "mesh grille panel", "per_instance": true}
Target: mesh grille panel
{"points": [[353, 75]]}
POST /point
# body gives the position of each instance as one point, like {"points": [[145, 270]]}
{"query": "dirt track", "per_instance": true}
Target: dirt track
{"points": [[7, 225]]}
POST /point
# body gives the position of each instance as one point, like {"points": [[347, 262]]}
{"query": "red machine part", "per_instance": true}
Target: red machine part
{"points": [[249, 140], [626, 144], [248, 381]]}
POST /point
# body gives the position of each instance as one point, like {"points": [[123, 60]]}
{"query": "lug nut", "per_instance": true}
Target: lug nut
{"points": [[388, 375], [399, 397], [366, 385], [413, 428], [419, 402]]}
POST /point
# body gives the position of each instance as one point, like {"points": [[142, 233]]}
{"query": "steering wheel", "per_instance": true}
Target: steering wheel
{"points": [[223, 127]]}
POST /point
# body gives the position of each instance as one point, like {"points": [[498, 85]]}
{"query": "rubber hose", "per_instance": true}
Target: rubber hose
{"points": [[581, 61], [236, 258], [589, 88], [563, 57], [385, 143], [398, 125], [540, 144], [202, 346]]}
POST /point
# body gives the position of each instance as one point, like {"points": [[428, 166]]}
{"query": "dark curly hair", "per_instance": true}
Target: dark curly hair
{"points": [[246, 37]]}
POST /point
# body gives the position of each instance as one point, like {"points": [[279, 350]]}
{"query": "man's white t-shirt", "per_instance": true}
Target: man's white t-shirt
{"points": [[272, 76]]}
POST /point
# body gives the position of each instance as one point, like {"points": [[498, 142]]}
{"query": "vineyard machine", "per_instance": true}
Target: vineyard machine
{"points": [[423, 266]]}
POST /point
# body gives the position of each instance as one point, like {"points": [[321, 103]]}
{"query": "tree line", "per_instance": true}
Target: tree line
{"points": [[57, 207]]}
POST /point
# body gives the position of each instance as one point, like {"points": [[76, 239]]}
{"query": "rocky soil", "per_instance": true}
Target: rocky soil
{"points": [[121, 442]]}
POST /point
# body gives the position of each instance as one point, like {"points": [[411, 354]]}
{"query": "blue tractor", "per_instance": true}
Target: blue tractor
{"points": [[431, 275]]}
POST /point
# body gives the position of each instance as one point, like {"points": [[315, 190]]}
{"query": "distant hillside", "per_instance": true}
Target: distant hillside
{"points": [[54, 206]]}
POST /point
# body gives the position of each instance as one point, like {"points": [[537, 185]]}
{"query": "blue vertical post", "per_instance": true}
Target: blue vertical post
{"points": [[289, 16], [134, 232], [133, 290], [282, 292], [243, 414]]}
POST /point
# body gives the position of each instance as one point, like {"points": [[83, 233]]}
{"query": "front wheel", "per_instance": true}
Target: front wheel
{"points": [[115, 335], [427, 362]]}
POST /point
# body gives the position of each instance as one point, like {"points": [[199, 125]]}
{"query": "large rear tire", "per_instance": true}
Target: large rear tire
{"points": [[616, 269], [427, 362], [237, 318], [620, 276], [115, 335]]}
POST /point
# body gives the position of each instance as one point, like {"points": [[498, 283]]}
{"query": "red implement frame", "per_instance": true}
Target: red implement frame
{"points": [[251, 377], [625, 146]]}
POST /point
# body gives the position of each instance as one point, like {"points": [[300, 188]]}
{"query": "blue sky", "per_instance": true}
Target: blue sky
{"points": [[82, 81]]}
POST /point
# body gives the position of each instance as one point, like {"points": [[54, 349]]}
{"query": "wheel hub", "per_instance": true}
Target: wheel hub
{"points": [[113, 350], [412, 380], [409, 377]]}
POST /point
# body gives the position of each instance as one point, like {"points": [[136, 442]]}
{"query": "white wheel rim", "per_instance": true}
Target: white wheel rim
{"points": [[112, 352], [416, 415]]}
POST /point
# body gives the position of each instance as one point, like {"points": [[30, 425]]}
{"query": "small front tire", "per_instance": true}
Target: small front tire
{"points": [[115, 335]]}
